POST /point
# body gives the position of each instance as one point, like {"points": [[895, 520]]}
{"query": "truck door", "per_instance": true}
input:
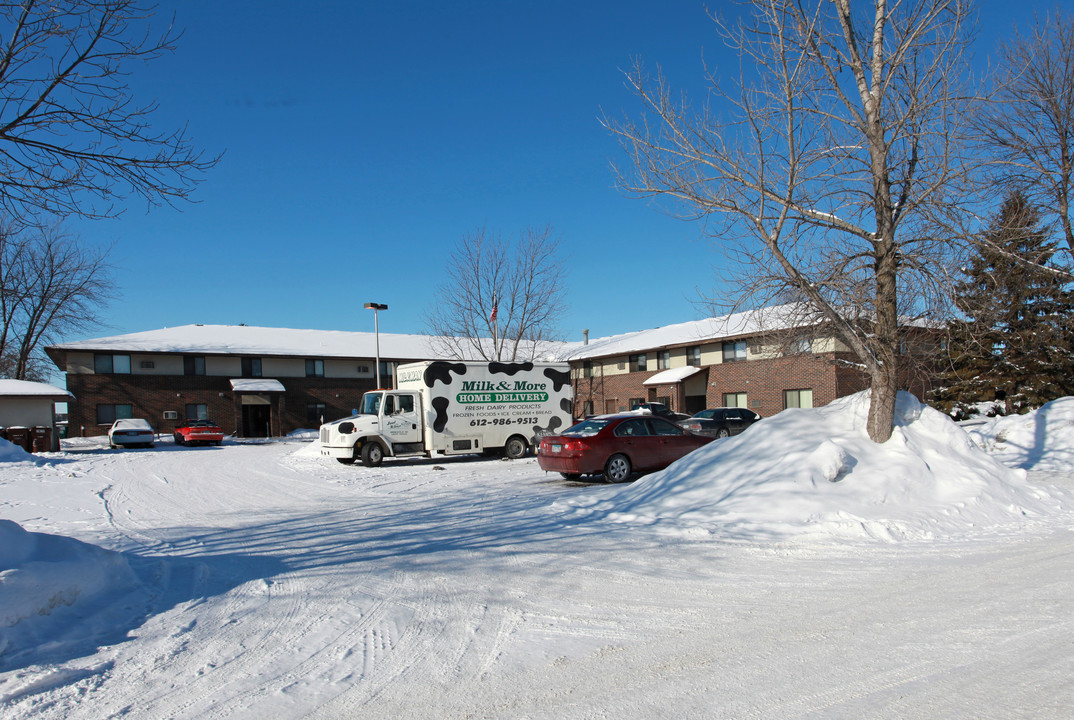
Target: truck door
{"points": [[402, 422]]}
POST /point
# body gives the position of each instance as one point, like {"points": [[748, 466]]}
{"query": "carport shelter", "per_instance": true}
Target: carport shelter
{"points": [[30, 407]]}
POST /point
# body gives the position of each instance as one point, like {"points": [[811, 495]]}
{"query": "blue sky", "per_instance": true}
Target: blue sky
{"points": [[362, 140]]}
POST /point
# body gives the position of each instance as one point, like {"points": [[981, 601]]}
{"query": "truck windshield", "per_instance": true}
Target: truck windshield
{"points": [[371, 403]]}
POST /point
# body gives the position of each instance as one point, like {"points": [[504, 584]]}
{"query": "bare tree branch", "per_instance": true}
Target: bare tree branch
{"points": [[50, 285], [1030, 126], [72, 139], [501, 299], [836, 176]]}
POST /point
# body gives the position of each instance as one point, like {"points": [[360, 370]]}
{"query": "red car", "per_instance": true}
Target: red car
{"points": [[196, 432], [615, 446]]}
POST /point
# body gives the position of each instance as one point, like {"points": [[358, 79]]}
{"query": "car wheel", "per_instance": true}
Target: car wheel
{"points": [[571, 476], [178, 439], [722, 433], [515, 448], [372, 454], [617, 469]]}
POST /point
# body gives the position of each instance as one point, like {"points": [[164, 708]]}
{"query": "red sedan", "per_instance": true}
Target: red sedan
{"points": [[194, 432], [615, 446]]}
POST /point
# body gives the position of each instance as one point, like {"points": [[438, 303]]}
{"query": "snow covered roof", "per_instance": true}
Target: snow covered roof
{"points": [[262, 341], [26, 388], [252, 340], [672, 376], [749, 322], [256, 385]]}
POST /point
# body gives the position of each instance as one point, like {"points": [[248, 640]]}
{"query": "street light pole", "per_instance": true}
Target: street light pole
{"points": [[375, 307]]}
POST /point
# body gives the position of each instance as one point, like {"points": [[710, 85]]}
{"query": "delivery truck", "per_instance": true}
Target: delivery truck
{"points": [[455, 408]]}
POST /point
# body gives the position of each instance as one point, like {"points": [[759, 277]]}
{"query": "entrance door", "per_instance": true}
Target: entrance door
{"points": [[256, 420]]}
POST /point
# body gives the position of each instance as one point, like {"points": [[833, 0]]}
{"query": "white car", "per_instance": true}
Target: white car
{"points": [[131, 431]]}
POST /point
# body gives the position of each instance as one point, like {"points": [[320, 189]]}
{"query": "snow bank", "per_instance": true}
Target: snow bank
{"points": [[45, 580], [816, 472], [12, 453], [1042, 439]]}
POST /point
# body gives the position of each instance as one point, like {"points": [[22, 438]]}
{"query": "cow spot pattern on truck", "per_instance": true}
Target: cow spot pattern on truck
{"points": [[440, 406], [441, 371], [559, 378]]}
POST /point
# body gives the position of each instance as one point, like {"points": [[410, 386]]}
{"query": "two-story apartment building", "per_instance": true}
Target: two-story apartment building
{"points": [[257, 381], [748, 359], [252, 381]]}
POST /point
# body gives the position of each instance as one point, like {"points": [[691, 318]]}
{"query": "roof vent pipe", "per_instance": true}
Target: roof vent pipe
{"points": [[585, 336]]}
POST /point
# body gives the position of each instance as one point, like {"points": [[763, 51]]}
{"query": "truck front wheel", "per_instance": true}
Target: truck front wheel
{"points": [[516, 447], [372, 454]]}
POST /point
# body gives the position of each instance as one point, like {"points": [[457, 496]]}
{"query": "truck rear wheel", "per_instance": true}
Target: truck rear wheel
{"points": [[516, 447], [372, 454]]}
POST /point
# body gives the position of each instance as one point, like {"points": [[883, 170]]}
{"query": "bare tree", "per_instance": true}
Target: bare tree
{"points": [[500, 300], [1030, 125], [832, 166], [49, 285], [72, 139]]}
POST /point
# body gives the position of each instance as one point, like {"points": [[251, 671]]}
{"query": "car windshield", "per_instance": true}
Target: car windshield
{"points": [[132, 424], [200, 423], [592, 426], [371, 403]]}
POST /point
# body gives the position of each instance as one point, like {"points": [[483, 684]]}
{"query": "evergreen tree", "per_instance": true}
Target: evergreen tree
{"points": [[1014, 343]]}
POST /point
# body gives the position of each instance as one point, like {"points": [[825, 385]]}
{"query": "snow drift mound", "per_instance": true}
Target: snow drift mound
{"points": [[47, 580], [1042, 439], [816, 472], [10, 452]]}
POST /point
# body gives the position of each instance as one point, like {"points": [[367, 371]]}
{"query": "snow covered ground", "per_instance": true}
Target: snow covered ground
{"points": [[793, 571]]}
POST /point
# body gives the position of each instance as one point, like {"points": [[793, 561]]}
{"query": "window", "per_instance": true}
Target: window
{"points": [[693, 356], [108, 414], [251, 367], [387, 369], [634, 402], [196, 411], [663, 427], [663, 360], [406, 403], [112, 364], [315, 413], [315, 368], [797, 398], [632, 428], [734, 400], [734, 351], [802, 346], [587, 368], [147, 364], [638, 363], [587, 408], [193, 365]]}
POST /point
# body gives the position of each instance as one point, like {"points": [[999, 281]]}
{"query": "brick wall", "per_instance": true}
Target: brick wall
{"points": [[151, 395], [763, 381]]}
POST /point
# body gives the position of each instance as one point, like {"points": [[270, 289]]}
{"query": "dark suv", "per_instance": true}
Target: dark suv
{"points": [[721, 422]]}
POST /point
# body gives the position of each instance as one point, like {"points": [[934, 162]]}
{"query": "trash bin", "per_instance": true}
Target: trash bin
{"points": [[42, 438], [20, 436], [62, 429]]}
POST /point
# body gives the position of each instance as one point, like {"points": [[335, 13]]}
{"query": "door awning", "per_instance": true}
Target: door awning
{"points": [[672, 376], [256, 385]]}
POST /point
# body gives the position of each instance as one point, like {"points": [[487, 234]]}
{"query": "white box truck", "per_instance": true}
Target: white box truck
{"points": [[455, 408]]}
